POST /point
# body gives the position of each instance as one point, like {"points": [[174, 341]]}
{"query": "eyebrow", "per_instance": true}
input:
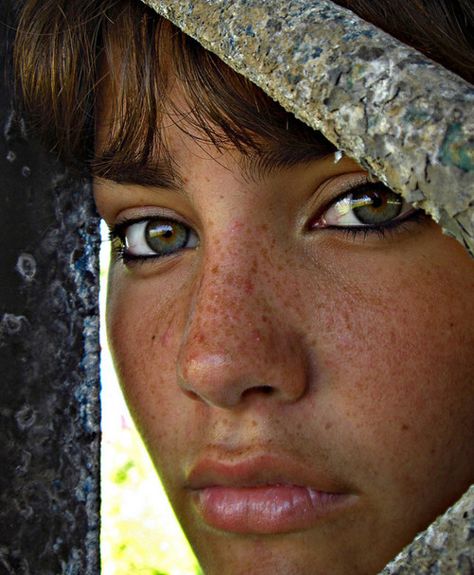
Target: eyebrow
{"points": [[254, 166], [157, 174], [261, 164]]}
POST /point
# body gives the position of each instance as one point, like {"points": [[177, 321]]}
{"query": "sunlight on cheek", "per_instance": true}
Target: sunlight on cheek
{"points": [[139, 532]]}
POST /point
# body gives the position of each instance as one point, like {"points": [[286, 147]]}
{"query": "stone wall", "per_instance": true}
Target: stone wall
{"points": [[49, 349]]}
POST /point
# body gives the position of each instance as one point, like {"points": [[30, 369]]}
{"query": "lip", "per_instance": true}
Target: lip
{"points": [[263, 494]]}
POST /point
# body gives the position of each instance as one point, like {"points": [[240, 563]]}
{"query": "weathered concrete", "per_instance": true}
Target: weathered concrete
{"points": [[445, 548], [49, 407], [406, 119]]}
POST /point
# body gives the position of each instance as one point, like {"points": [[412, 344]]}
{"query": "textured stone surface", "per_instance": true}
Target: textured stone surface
{"points": [[49, 408], [406, 119], [445, 548]]}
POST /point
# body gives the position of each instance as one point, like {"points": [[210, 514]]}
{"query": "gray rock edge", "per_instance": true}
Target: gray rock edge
{"points": [[445, 548]]}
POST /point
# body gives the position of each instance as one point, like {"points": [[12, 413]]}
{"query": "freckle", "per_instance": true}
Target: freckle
{"points": [[248, 286], [328, 425], [253, 423], [153, 337], [404, 427]]}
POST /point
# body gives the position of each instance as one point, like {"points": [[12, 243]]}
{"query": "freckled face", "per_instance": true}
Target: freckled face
{"points": [[340, 363]]}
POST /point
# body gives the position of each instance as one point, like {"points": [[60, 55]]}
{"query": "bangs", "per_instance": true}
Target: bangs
{"points": [[145, 59], [120, 63]]}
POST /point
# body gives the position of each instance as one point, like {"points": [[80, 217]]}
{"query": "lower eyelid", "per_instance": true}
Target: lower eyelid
{"points": [[406, 223]]}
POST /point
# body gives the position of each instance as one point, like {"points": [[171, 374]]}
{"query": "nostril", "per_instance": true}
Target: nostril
{"points": [[260, 389]]}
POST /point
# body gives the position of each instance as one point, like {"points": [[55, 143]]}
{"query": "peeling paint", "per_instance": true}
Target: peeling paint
{"points": [[26, 267]]}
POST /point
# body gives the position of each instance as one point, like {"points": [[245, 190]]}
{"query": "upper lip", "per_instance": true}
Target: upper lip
{"points": [[257, 470]]}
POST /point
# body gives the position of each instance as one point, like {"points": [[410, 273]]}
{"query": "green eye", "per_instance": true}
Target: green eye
{"points": [[368, 205], [153, 238], [166, 237], [376, 206]]}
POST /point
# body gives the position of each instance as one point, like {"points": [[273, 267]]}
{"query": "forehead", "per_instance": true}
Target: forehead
{"points": [[144, 101], [151, 154]]}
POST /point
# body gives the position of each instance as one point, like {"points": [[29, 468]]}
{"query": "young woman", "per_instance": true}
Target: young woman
{"points": [[294, 340]]}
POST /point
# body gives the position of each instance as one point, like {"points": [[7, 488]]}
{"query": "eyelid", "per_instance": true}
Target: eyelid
{"points": [[337, 186], [332, 189], [139, 214]]}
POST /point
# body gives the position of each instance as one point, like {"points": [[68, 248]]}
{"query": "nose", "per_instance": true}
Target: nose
{"points": [[237, 344]]}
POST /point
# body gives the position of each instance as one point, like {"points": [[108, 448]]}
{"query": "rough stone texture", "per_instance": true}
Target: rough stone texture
{"points": [[49, 406], [403, 117], [445, 548]]}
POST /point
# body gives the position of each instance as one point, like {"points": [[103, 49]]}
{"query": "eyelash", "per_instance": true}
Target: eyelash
{"points": [[403, 224], [117, 233]]}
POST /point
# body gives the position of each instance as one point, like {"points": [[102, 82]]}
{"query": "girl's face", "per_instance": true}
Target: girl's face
{"points": [[295, 345]]}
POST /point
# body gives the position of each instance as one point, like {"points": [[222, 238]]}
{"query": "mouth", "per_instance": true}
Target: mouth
{"points": [[262, 495]]}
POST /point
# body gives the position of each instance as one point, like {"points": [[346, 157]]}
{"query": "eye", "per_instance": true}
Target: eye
{"points": [[152, 238], [368, 205]]}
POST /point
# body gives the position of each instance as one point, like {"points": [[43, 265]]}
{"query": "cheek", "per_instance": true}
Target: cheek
{"points": [[142, 332], [396, 363]]}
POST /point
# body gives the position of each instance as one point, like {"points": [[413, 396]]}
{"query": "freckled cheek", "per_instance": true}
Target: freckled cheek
{"points": [[396, 356], [143, 331]]}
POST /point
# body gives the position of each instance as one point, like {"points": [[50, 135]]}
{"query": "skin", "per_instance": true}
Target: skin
{"points": [[350, 355]]}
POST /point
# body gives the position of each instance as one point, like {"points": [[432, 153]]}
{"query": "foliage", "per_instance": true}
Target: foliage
{"points": [[140, 535]]}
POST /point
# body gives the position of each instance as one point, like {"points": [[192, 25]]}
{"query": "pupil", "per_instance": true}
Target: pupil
{"points": [[378, 206], [377, 200], [165, 237]]}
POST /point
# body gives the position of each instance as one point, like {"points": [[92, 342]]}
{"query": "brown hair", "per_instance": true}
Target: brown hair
{"points": [[64, 53]]}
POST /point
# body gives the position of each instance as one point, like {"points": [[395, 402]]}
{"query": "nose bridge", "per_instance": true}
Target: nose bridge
{"points": [[235, 340], [229, 306]]}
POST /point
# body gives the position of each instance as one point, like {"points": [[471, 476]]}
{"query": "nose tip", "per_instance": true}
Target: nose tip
{"points": [[203, 381], [230, 368]]}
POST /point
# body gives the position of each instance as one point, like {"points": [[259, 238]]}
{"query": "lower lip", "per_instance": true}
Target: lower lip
{"points": [[265, 509]]}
